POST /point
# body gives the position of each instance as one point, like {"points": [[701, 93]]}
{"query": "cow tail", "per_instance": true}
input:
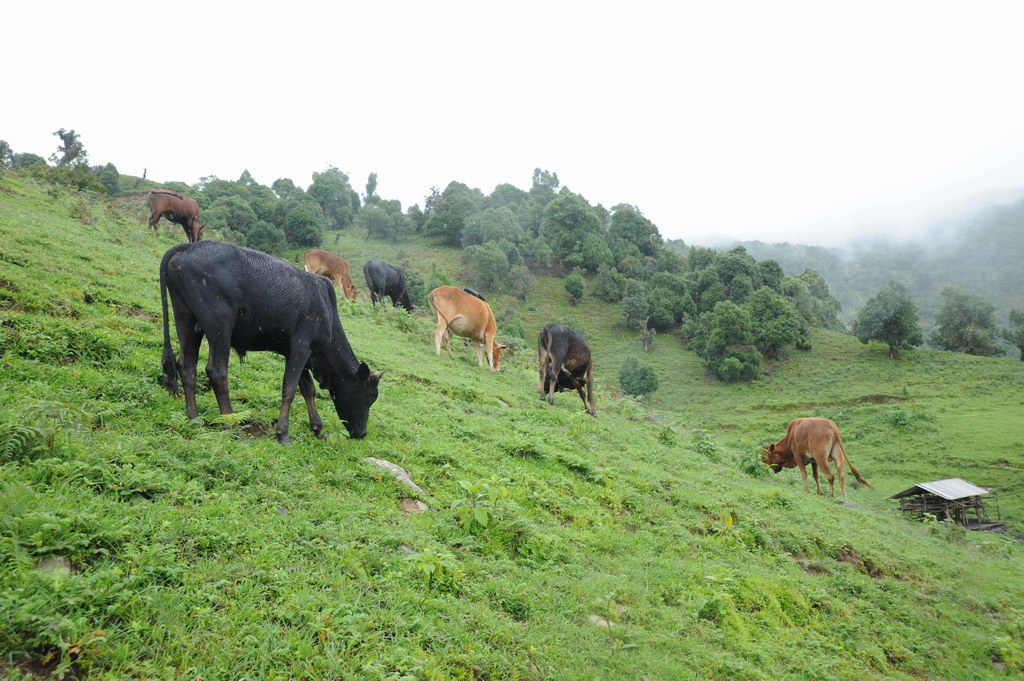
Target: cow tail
{"points": [[846, 457], [433, 305], [170, 377], [552, 370]]}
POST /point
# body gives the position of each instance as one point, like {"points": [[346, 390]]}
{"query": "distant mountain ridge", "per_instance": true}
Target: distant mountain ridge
{"points": [[985, 256]]}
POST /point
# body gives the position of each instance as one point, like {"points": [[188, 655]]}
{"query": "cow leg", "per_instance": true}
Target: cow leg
{"points": [[217, 369], [294, 365], [814, 470], [841, 465], [803, 473], [579, 391], [439, 336], [590, 390], [830, 476], [479, 355], [309, 394], [190, 337], [489, 342], [153, 220]]}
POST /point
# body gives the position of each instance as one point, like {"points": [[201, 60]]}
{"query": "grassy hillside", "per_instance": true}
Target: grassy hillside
{"points": [[626, 546]]}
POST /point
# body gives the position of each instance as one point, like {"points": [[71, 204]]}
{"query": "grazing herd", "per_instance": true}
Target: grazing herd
{"points": [[247, 300]]}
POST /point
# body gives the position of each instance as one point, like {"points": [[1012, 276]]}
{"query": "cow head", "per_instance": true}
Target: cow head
{"points": [[194, 230], [496, 349], [777, 459], [350, 290], [353, 398]]}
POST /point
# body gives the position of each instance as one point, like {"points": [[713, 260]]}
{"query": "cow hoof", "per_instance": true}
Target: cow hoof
{"points": [[320, 435], [283, 439]]}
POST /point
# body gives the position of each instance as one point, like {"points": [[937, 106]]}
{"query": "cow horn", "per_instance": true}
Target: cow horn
{"points": [[377, 374]]}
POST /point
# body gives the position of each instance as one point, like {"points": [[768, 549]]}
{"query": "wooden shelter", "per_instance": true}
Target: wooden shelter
{"points": [[953, 499]]}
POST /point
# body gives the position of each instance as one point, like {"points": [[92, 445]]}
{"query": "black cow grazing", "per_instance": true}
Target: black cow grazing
{"points": [[243, 299], [386, 280], [475, 293], [565, 364]]}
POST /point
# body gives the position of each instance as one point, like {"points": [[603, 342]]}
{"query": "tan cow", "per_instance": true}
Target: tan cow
{"points": [[464, 315], [332, 267], [177, 208], [816, 441]]}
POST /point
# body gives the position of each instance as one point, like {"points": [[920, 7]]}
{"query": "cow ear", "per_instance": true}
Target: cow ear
{"points": [[363, 372], [503, 347]]}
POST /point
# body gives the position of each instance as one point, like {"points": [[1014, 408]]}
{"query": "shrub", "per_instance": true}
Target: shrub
{"points": [[609, 284], [637, 378], [574, 286]]}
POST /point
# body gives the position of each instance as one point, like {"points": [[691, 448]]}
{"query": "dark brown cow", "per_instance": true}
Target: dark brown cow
{"points": [[177, 208], [465, 315], [565, 364], [816, 441], [333, 267]]}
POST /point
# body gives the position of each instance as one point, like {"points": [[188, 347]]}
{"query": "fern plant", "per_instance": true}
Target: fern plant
{"points": [[19, 443]]}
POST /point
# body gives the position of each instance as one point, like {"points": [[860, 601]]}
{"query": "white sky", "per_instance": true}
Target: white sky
{"points": [[803, 121]]}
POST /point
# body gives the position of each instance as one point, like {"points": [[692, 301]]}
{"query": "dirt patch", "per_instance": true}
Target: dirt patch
{"points": [[138, 312], [8, 190], [805, 563], [254, 429], [864, 399], [46, 670], [8, 285], [864, 565]]}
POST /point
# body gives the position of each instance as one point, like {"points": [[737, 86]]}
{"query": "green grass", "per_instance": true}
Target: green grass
{"points": [[627, 547]]}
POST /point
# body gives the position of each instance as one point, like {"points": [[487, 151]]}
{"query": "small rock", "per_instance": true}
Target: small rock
{"points": [[400, 473], [599, 621], [412, 506], [55, 564], [849, 504], [502, 402], [283, 510], [406, 550]]}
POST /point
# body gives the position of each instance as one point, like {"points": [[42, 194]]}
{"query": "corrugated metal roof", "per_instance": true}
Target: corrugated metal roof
{"points": [[953, 488]]}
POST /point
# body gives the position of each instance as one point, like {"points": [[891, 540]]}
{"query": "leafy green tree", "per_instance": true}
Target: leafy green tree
{"points": [[434, 279], [230, 212], [492, 224], [304, 224], [594, 252], [1014, 335], [630, 225], [371, 190], [770, 274], [283, 187], [826, 307], [730, 351], [775, 323], [333, 192], [609, 284], [542, 192], [109, 177], [635, 306], [537, 254], [376, 221], [575, 285], [485, 267], [890, 317], [636, 378], [26, 160], [966, 323], [416, 217], [71, 152], [670, 301], [520, 282], [566, 222], [266, 237], [450, 211], [5, 154]]}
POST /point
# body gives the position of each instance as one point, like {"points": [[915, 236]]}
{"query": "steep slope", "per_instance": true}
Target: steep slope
{"points": [[626, 547]]}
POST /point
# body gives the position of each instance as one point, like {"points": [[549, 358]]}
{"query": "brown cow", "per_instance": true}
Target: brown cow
{"points": [[177, 208], [816, 441], [467, 316], [565, 364], [332, 267]]}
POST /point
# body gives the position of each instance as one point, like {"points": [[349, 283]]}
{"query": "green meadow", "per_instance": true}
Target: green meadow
{"points": [[644, 544]]}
